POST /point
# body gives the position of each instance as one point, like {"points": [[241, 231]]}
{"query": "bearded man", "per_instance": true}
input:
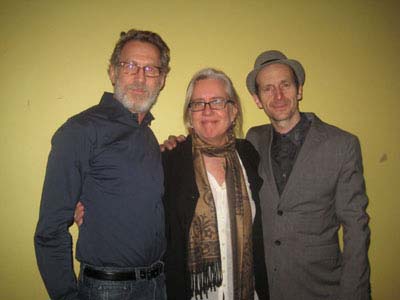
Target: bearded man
{"points": [[108, 157]]}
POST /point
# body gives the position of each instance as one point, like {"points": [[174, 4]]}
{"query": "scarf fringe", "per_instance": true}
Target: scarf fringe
{"points": [[206, 279]]}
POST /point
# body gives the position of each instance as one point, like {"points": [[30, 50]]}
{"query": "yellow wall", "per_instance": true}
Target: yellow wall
{"points": [[53, 60]]}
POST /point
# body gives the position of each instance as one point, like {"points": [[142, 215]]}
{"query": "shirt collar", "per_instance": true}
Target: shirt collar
{"points": [[297, 134], [117, 111]]}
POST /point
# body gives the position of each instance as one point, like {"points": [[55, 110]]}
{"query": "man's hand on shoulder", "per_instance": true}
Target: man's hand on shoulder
{"points": [[172, 142]]}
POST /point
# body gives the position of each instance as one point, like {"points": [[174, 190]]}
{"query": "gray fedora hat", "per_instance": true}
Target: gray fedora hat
{"points": [[273, 57]]}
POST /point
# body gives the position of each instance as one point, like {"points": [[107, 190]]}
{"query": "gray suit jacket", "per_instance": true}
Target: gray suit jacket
{"points": [[325, 190]]}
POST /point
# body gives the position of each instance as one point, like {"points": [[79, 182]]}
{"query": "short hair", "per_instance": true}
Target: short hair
{"points": [[211, 73], [142, 36]]}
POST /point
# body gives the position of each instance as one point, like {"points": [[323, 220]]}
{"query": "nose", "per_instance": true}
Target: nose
{"points": [[140, 76], [279, 93], [207, 109]]}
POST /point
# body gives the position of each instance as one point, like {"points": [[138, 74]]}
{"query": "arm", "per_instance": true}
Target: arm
{"points": [[174, 257], [61, 191], [351, 203]]}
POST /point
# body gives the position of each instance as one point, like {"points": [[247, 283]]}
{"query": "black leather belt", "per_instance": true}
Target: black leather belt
{"points": [[136, 274]]}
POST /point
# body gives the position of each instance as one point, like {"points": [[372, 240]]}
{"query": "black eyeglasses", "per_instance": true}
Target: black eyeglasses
{"points": [[132, 68], [215, 104]]}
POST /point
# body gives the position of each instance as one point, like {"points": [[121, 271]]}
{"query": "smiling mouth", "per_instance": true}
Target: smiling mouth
{"points": [[280, 105], [209, 121]]}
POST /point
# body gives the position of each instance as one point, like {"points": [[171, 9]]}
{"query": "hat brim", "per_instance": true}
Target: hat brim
{"points": [[293, 64]]}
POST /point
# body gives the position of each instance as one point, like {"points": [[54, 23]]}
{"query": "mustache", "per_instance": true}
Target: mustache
{"points": [[136, 86]]}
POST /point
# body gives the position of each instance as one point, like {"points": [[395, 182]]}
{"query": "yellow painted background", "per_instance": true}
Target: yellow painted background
{"points": [[53, 60]]}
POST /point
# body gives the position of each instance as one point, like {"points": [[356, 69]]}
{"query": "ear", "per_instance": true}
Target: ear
{"points": [[112, 74], [257, 101], [300, 93]]}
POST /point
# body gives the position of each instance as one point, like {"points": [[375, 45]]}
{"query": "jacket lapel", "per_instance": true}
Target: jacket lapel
{"points": [[314, 137], [266, 164]]}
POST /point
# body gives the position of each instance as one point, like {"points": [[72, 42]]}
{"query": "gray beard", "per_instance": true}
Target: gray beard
{"points": [[142, 106]]}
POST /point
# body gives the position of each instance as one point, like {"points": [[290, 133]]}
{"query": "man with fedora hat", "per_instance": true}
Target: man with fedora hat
{"points": [[313, 185]]}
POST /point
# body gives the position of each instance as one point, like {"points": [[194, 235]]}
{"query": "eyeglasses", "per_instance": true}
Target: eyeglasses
{"points": [[132, 68], [215, 104]]}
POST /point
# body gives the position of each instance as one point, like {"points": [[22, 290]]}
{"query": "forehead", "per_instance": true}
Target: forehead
{"points": [[140, 52], [275, 72], [209, 88]]}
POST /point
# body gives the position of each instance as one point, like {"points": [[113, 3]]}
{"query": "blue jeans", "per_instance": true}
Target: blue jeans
{"points": [[143, 289]]}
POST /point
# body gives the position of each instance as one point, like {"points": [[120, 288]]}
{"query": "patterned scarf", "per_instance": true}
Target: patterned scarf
{"points": [[204, 257]]}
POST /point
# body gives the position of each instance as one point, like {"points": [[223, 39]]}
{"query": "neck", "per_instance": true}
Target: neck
{"points": [[141, 117], [284, 126], [216, 142]]}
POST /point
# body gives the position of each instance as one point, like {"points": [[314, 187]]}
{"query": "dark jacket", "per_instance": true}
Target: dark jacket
{"points": [[180, 200]]}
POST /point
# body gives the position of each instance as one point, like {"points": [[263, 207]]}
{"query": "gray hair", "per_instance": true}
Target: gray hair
{"points": [[210, 73], [141, 36]]}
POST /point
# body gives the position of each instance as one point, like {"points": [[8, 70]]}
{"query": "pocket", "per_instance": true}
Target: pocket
{"points": [[323, 225], [325, 259], [322, 252]]}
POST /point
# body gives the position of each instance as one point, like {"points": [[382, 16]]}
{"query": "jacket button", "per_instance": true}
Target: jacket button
{"points": [[278, 242], [280, 212]]}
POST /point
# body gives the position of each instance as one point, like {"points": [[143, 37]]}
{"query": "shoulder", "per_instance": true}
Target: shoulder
{"points": [[78, 127], [259, 135], [333, 133], [248, 154], [182, 151], [245, 148], [337, 142], [90, 115], [258, 130]]}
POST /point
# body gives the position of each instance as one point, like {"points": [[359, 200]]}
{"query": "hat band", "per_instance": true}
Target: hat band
{"points": [[268, 61]]}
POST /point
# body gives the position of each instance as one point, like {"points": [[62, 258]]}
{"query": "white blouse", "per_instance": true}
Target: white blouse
{"points": [[225, 291]]}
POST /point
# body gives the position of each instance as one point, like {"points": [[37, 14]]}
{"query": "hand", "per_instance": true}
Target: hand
{"points": [[172, 142], [79, 212]]}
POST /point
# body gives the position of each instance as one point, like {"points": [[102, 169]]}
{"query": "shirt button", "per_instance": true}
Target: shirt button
{"points": [[278, 242], [280, 212]]}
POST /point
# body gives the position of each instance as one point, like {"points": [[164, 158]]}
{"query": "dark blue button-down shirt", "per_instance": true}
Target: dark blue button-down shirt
{"points": [[110, 162]]}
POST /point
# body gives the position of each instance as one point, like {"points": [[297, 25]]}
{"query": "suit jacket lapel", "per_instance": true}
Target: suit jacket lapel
{"points": [[265, 153], [314, 137]]}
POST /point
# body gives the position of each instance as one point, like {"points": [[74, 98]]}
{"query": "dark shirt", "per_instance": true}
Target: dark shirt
{"points": [[284, 151], [110, 162]]}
